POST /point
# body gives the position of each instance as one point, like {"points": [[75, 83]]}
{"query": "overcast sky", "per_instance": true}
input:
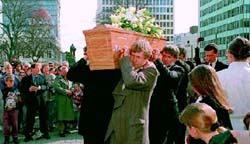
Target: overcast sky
{"points": [[79, 15]]}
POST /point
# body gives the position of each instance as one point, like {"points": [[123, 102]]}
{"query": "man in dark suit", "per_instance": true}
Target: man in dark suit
{"points": [[164, 104], [32, 87], [211, 56]]}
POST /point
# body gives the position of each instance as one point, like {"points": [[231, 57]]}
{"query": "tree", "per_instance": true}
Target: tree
{"points": [[15, 15], [27, 31], [39, 37]]}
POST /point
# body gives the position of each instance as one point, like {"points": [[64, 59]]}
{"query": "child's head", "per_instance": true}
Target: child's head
{"points": [[246, 120], [8, 68], [9, 80], [199, 118], [76, 86]]}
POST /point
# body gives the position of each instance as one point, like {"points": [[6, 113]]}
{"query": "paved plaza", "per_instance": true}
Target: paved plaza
{"points": [[72, 138]]}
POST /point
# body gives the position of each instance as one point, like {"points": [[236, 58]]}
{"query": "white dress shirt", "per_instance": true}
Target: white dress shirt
{"points": [[213, 63]]}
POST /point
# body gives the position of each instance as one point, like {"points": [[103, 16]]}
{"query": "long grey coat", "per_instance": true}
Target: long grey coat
{"points": [[129, 122]]}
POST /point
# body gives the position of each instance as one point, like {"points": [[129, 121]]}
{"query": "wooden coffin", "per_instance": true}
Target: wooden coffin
{"points": [[105, 40]]}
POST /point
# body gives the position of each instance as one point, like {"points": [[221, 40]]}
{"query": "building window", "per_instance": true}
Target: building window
{"points": [[247, 8], [246, 23]]}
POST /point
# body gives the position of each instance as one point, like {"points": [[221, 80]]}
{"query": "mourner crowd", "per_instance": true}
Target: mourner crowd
{"points": [[38, 90], [156, 97]]}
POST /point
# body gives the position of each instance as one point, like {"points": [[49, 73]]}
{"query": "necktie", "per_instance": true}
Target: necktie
{"points": [[36, 94], [35, 80]]}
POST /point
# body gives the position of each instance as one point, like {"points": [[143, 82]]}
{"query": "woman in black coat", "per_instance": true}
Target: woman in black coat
{"points": [[97, 103], [206, 84]]}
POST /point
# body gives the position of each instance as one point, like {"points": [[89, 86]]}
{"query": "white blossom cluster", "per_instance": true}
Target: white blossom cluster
{"points": [[136, 20]]}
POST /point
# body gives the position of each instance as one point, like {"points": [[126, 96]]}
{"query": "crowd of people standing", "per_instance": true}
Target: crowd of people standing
{"points": [[154, 94], [138, 109], [38, 90]]}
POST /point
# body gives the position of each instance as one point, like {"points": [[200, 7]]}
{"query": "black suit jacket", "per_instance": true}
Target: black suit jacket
{"points": [[220, 66], [164, 103], [33, 99]]}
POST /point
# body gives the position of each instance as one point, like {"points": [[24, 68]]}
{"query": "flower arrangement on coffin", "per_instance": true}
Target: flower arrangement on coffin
{"points": [[128, 25], [136, 20]]}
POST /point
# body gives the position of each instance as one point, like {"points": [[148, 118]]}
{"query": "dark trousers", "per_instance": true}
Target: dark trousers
{"points": [[10, 120], [51, 113], [20, 117], [176, 134], [93, 129], [30, 119], [165, 131]]}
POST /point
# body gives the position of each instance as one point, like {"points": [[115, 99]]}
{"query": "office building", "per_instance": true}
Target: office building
{"points": [[188, 40], [221, 21]]}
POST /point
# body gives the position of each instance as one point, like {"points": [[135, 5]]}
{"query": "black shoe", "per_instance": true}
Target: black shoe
{"points": [[28, 139], [51, 129], [61, 134], [44, 136], [6, 140], [66, 132], [15, 140]]}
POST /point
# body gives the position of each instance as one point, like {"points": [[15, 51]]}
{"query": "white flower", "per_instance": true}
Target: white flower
{"points": [[130, 16], [132, 9], [115, 19], [148, 29], [141, 12], [139, 21]]}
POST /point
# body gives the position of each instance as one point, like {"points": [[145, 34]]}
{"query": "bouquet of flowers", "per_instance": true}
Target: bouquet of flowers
{"points": [[136, 20]]}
